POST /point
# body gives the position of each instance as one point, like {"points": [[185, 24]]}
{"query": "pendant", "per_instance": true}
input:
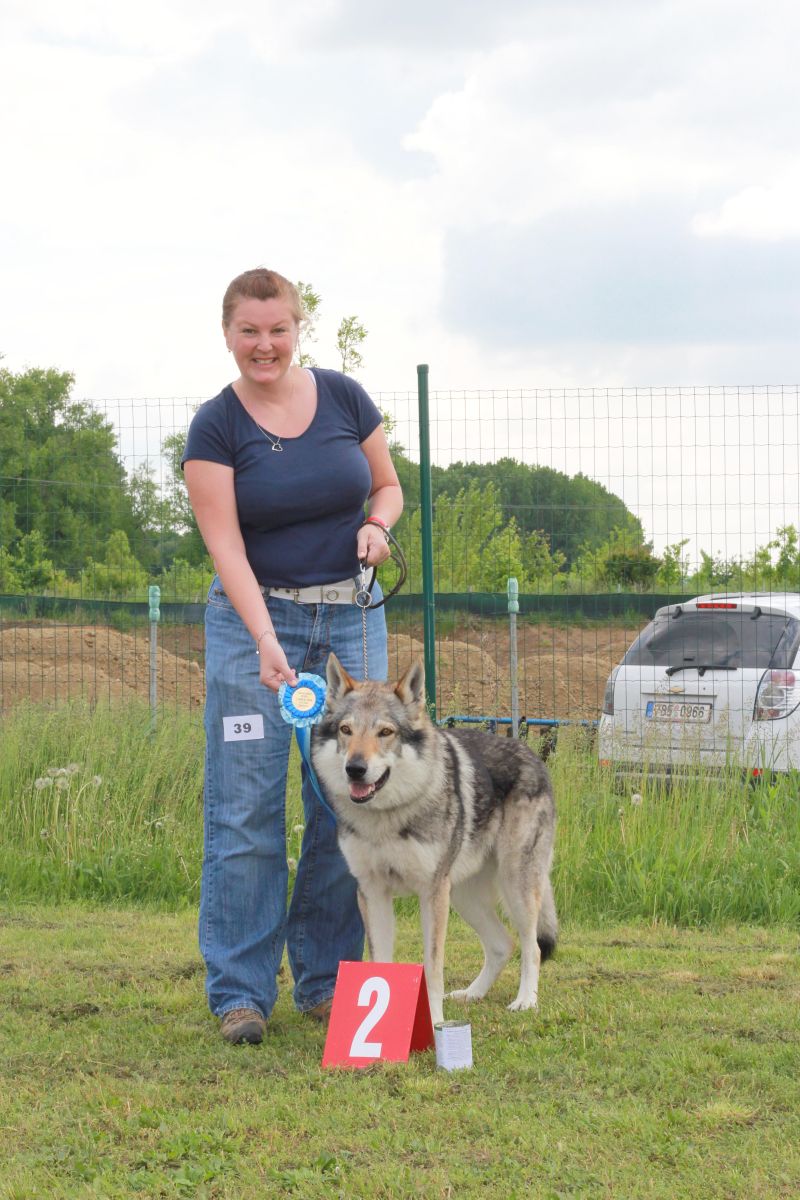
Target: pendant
{"points": [[277, 446]]}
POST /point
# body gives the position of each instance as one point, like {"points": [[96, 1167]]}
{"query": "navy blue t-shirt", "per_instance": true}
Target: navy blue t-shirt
{"points": [[299, 510]]}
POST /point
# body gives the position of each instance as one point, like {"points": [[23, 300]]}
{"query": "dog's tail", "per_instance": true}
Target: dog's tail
{"points": [[547, 926]]}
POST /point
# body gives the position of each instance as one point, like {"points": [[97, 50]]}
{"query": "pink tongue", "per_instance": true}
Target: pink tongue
{"points": [[359, 790]]}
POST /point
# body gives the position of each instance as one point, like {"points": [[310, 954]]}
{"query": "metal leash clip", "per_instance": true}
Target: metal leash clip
{"points": [[363, 596]]}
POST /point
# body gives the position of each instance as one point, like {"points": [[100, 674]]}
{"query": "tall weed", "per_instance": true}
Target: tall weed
{"points": [[704, 851], [97, 804]]}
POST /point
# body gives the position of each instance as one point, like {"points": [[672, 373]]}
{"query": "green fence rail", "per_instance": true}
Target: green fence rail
{"points": [[594, 606]]}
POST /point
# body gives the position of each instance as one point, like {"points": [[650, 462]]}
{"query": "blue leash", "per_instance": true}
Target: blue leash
{"points": [[303, 735], [301, 706]]}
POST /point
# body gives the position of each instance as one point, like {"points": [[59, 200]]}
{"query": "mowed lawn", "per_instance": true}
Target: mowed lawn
{"points": [[661, 1063]]}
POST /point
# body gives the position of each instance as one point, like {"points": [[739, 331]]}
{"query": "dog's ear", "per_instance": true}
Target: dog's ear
{"points": [[339, 682], [411, 687]]}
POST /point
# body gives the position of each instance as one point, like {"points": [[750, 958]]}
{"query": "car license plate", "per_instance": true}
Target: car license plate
{"points": [[677, 710]]}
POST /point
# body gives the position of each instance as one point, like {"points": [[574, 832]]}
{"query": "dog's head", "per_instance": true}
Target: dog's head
{"points": [[369, 729]]}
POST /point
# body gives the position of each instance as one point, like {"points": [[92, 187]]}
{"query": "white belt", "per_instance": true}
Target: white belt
{"points": [[322, 593]]}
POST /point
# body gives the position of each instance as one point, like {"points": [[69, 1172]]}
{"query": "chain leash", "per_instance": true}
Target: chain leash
{"points": [[363, 599]]}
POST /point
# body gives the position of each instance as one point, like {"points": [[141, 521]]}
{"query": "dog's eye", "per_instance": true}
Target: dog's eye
{"points": [[385, 732], [345, 729]]}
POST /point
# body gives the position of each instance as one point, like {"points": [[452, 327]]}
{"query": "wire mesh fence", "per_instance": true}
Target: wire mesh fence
{"points": [[604, 504]]}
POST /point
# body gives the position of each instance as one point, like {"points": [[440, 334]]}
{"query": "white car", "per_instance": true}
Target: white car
{"points": [[711, 683]]}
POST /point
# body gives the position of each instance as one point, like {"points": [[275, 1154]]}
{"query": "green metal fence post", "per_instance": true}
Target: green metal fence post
{"points": [[428, 609]]}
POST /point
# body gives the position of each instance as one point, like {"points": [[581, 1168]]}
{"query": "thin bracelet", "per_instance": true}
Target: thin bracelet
{"points": [[266, 633]]}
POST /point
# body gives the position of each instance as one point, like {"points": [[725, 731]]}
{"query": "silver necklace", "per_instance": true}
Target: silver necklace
{"points": [[275, 443]]}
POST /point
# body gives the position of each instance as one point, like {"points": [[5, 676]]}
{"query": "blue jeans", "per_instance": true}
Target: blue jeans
{"points": [[244, 923]]}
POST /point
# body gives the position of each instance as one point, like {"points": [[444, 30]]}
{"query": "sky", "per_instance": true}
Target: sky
{"points": [[523, 194], [528, 193]]}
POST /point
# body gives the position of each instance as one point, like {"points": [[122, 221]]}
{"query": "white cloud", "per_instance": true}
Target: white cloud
{"points": [[155, 151], [769, 213]]}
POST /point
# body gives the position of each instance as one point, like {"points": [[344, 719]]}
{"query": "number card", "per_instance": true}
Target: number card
{"points": [[380, 1012], [248, 728]]}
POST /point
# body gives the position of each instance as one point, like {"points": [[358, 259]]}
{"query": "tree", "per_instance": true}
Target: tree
{"points": [[119, 575], [674, 567], [542, 568], [620, 561], [186, 541], [632, 567], [571, 512], [28, 569], [62, 477], [311, 301], [474, 549], [349, 336]]}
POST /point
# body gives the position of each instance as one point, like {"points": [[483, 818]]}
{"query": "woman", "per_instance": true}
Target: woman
{"points": [[279, 467]]}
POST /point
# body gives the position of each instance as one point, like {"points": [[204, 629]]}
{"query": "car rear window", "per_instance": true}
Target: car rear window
{"points": [[717, 638]]}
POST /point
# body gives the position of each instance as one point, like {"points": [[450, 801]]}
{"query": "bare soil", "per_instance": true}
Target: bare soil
{"points": [[562, 669]]}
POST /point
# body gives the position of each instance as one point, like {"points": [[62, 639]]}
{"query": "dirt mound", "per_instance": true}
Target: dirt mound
{"points": [[562, 671], [93, 662]]}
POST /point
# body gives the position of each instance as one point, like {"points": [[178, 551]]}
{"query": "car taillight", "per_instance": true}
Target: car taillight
{"points": [[608, 695], [777, 695]]}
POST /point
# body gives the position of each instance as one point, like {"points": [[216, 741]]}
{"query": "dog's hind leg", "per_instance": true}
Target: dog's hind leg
{"points": [[476, 901], [523, 907]]}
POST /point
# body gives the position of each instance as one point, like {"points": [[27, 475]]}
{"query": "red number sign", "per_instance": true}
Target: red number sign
{"points": [[380, 1012]]}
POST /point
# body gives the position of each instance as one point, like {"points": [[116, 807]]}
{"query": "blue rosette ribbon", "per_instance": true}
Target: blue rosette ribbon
{"points": [[302, 704]]}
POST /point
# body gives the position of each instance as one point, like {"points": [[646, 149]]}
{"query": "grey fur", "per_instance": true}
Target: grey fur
{"points": [[457, 817]]}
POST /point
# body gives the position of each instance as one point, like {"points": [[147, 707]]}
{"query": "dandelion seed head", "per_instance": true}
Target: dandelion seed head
{"points": [[158, 824], [292, 864], [636, 799], [298, 828], [53, 771], [73, 768], [42, 783], [44, 833], [62, 782], [97, 780]]}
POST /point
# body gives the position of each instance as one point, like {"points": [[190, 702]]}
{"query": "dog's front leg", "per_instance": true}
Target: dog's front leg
{"points": [[376, 905], [434, 909]]}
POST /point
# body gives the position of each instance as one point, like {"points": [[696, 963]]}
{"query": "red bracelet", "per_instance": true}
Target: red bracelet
{"points": [[375, 521]]}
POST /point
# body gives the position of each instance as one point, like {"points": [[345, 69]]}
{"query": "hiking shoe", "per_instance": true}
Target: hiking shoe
{"points": [[243, 1025], [321, 1012]]}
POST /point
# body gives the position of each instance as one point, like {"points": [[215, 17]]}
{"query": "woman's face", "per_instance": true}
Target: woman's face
{"points": [[262, 336]]}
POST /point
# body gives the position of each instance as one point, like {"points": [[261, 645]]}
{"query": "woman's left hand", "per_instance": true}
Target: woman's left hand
{"points": [[373, 548]]}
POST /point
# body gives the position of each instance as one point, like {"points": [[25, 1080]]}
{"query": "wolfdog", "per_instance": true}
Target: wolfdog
{"points": [[456, 817]]}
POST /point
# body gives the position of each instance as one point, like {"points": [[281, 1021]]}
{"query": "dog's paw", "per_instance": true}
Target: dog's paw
{"points": [[465, 995], [523, 1003]]}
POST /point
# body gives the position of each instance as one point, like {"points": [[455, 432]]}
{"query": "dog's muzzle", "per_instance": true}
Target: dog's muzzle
{"points": [[360, 791]]}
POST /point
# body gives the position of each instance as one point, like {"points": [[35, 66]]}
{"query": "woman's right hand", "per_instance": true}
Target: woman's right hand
{"points": [[273, 668]]}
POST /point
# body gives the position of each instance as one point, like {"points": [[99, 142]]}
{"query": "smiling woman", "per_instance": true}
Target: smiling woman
{"points": [[279, 467]]}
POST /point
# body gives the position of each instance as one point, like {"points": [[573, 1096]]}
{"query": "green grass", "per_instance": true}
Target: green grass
{"points": [[707, 851], [96, 804], [663, 1063]]}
